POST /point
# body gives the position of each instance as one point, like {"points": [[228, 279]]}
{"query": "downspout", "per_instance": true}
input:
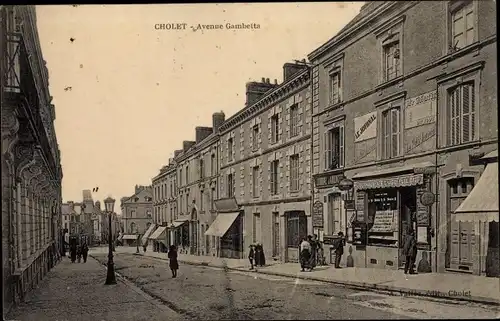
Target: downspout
{"points": [[436, 178]]}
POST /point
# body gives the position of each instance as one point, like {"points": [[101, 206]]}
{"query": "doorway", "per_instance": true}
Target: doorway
{"points": [[296, 229], [407, 217]]}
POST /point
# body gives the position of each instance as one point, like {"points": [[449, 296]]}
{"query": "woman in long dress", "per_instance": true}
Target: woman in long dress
{"points": [[173, 263]]}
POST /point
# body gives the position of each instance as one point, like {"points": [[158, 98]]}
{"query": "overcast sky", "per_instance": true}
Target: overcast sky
{"points": [[127, 95]]}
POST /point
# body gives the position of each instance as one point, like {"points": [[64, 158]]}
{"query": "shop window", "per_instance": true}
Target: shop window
{"points": [[462, 105], [296, 228], [383, 217]]}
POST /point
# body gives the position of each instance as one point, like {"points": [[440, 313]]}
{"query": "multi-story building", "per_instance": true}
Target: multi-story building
{"points": [[402, 96], [137, 212], [31, 166], [265, 166], [197, 172]]}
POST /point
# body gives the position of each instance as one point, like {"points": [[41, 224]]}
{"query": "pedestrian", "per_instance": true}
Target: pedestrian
{"points": [[145, 246], [257, 255], [409, 251], [314, 251], [173, 263], [79, 253], [85, 251], [304, 254], [262, 256], [251, 256], [339, 249], [72, 250]]}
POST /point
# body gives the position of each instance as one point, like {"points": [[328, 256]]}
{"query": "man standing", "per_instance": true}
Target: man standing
{"points": [[339, 249], [409, 251]]}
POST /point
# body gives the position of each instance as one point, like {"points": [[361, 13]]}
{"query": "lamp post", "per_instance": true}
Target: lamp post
{"points": [[137, 242], [109, 204]]}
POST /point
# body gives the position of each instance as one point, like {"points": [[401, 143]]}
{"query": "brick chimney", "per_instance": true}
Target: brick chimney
{"points": [[177, 152], [202, 133], [255, 90], [187, 144], [217, 120], [289, 70]]}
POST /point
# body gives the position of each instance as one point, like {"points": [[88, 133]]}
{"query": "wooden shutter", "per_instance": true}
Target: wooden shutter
{"points": [[395, 132], [328, 148], [341, 155], [467, 112], [455, 116], [386, 133]]}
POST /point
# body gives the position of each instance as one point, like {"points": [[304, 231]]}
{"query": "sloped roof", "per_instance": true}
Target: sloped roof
{"points": [[141, 195]]}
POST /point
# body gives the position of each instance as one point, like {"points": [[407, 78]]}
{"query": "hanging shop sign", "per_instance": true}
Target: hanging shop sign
{"points": [[399, 181], [317, 215]]}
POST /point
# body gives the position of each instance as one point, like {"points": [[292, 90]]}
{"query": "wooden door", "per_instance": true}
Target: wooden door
{"points": [[276, 235], [461, 238]]}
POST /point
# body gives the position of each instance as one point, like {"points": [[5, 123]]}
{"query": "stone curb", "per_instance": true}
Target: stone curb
{"points": [[354, 285]]}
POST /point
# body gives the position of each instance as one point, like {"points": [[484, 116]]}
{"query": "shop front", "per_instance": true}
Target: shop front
{"points": [[179, 234], [159, 237], [149, 231], [387, 206], [227, 229], [480, 211]]}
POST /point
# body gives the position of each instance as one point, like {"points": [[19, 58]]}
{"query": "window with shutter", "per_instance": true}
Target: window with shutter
{"points": [[462, 25], [294, 120], [335, 88], [274, 129], [341, 155], [462, 110], [230, 149], [391, 133], [334, 147], [255, 181], [274, 177], [294, 172], [392, 61]]}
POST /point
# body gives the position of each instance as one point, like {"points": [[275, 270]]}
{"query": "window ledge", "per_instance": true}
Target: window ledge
{"points": [[391, 160], [468, 145], [389, 83], [335, 106]]}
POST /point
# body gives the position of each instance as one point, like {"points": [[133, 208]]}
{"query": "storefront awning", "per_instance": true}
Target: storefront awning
{"points": [[158, 233], [148, 233], [226, 205], [130, 237], [394, 170], [222, 223], [481, 205], [178, 223]]}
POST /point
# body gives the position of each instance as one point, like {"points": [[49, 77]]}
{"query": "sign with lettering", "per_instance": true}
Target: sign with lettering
{"points": [[422, 215], [419, 139], [399, 181], [365, 127], [421, 110], [317, 214], [328, 180], [360, 205], [383, 222]]}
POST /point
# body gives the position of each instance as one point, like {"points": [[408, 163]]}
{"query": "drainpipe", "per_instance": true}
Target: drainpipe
{"points": [[436, 177]]}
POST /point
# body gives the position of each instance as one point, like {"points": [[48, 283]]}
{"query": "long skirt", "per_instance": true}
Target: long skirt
{"points": [[305, 257], [312, 259]]}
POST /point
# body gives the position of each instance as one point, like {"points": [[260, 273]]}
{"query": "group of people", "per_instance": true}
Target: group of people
{"points": [[256, 255], [76, 252], [311, 252]]}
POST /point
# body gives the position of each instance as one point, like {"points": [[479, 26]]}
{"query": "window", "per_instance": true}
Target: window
{"points": [[391, 133], [335, 88], [65, 225], [257, 228], [132, 214], [294, 120], [202, 169], [180, 176], [392, 61], [148, 214], [182, 202], [213, 164], [274, 177], [383, 205], [276, 234], [255, 137], [275, 129], [462, 26], [230, 149], [187, 174], [202, 199], [255, 181], [171, 190], [230, 186], [334, 148], [463, 114], [212, 198], [187, 203], [294, 172]]}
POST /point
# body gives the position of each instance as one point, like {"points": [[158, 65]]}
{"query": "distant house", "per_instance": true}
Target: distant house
{"points": [[137, 210]]}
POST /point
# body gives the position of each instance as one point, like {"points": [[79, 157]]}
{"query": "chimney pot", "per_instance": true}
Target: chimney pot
{"points": [[263, 79], [267, 80], [275, 81]]}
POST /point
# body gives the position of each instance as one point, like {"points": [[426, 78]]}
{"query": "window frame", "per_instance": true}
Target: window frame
{"points": [[387, 33], [451, 8], [335, 72], [255, 181], [274, 177], [229, 185], [294, 120], [294, 181], [230, 149], [385, 57], [328, 145], [390, 136], [255, 137], [275, 128]]}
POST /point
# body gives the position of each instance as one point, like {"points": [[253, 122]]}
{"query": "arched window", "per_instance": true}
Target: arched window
{"points": [[133, 227]]}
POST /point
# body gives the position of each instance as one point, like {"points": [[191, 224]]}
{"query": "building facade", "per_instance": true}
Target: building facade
{"points": [[137, 210], [31, 167], [402, 96], [265, 162], [197, 173]]}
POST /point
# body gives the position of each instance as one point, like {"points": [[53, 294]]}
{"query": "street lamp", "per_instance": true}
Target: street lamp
{"points": [[137, 242], [109, 204], [347, 185]]}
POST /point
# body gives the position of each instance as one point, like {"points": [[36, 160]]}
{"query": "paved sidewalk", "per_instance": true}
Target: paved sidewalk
{"points": [[76, 292], [452, 286]]}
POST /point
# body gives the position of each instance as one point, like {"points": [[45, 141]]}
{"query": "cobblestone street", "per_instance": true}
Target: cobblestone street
{"points": [[76, 292], [210, 293]]}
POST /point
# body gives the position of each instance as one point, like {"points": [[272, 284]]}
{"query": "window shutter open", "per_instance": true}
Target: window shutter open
{"points": [[395, 132], [328, 149], [468, 116], [341, 155]]}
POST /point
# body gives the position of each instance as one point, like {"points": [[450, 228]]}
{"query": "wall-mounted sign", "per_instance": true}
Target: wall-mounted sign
{"points": [[421, 110], [427, 198], [365, 127], [328, 180], [400, 181], [317, 214], [360, 205], [383, 222], [419, 139]]}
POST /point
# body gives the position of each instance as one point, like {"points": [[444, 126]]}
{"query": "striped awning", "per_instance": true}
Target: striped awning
{"points": [[158, 233], [148, 233], [130, 237]]}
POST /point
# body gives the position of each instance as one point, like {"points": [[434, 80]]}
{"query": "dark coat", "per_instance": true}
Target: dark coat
{"points": [[339, 246], [173, 263], [410, 246]]}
